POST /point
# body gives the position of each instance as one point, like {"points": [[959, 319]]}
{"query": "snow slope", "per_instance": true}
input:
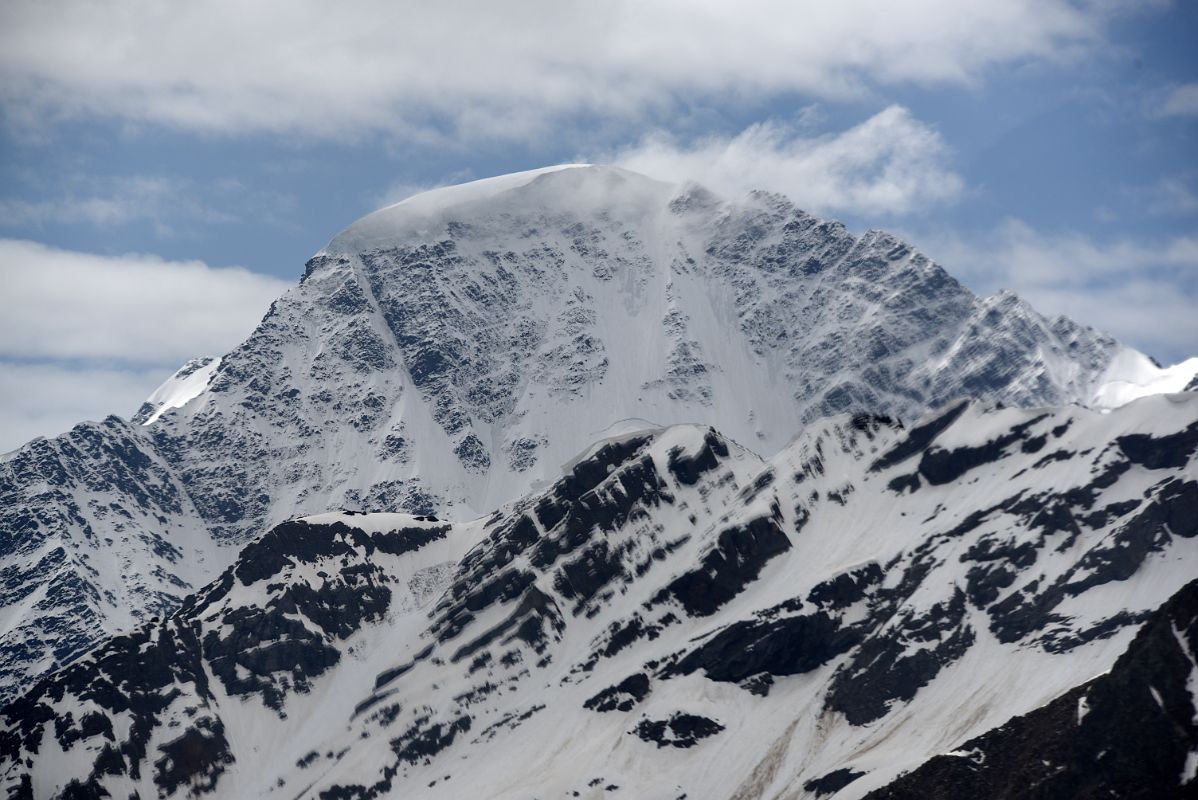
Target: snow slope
{"points": [[673, 616], [178, 390], [1114, 736], [1132, 374], [448, 354]]}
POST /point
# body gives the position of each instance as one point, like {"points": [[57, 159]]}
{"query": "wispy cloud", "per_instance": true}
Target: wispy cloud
{"points": [[1172, 197], [484, 69], [404, 189], [1144, 292], [1181, 101], [105, 202], [170, 204], [890, 164]]}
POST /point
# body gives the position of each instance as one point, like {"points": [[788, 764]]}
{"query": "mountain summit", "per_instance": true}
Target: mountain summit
{"points": [[449, 354], [511, 322]]}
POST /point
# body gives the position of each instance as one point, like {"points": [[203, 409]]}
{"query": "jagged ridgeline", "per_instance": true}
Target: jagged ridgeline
{"points": [[912, 598], [877, 609], [448, 354]]}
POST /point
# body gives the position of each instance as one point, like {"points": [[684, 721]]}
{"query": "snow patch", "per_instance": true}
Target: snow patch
{"points": [[1132, 375], [181, 388]]}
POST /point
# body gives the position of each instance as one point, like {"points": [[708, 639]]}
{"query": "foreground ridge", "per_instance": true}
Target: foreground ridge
{"points": [[676, 616], [1128, 733]]}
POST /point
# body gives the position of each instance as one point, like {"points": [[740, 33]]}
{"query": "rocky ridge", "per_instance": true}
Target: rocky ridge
{"points": [[439, 355], [703, 622]]}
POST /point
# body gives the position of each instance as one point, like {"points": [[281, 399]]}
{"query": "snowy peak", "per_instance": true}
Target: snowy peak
{"points": [[427, 211], [512, 305], [1132, 374], [484, 319], [447, 355], [178, 390]]}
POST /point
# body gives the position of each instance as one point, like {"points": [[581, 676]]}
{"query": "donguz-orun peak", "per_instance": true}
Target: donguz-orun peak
{"points": [[572, 483]]}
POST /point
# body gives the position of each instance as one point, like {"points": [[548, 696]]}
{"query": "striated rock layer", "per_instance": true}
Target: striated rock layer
{"points": [[450, 353], [677, 616]]}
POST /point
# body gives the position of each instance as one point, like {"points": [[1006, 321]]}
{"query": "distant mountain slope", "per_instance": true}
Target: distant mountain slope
{"points": [[673, 616], [489, 320], [98, 535], [449, 353]]}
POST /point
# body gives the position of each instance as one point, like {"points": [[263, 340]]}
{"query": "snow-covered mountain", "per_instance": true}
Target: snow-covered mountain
{"points": [[99, 534], [447, 354], [512, 322], [676, 616]]}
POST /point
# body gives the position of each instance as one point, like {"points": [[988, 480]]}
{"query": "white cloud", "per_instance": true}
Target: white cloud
{"points": [[890, 164], [65, 304], [83, 336], [485, 69], [1182, 101], [1142, 292]]}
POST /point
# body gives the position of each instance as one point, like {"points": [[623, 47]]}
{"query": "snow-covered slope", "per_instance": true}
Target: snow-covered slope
{"points": [[513, 321], [98, 535], [448, 354], [1131, 374], [178, 390], [673, 616], [1128, 733]]}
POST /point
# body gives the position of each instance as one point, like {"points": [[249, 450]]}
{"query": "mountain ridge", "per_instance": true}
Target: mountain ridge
{"points": [[447, 371], [711, 622]]}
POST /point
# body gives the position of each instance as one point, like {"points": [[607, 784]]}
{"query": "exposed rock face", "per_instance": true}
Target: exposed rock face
{"points": [[1128, 733], [676, 615], [448, 354], [97, 536]]}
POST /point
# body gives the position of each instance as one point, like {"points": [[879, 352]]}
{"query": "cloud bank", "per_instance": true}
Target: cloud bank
{"points": [[890, 164], [134, 307], [49, 399], [484, 69], [82, 335]]}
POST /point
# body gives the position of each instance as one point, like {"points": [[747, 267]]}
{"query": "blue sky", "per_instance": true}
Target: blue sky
{"points": [[166, 170]]}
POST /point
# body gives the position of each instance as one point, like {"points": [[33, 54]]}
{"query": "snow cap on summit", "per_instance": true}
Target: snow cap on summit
{"points": [[389, 220]]}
